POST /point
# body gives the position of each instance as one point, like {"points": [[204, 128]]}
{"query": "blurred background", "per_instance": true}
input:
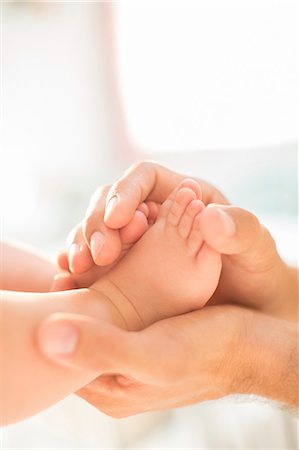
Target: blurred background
{"points": [[207, 88]]}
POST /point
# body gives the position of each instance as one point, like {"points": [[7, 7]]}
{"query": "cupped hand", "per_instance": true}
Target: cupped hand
{"points": [[253, 273], [176, 361], [95, 245], [199, 356]]}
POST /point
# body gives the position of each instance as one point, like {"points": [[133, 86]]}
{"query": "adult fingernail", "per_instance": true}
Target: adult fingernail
{"points": [[110, 206], [58, 338], [97, 241], [228, 223]]}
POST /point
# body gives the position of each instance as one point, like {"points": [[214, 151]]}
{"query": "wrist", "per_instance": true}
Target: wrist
{"points": [[267, 362]]}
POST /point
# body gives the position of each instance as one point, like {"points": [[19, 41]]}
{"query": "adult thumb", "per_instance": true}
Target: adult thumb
{"points": [[234, 231], [94, 345]]}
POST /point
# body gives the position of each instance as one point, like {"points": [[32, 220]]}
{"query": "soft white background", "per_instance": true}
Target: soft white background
{"points": [[208, 88]]}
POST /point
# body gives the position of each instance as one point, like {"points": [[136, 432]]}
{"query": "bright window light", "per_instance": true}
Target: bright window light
{"points": [[208, 75]]}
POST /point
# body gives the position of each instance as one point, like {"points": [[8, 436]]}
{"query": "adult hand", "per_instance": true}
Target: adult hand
{"points": [[253, 273], [112, 208], [199, 356]]}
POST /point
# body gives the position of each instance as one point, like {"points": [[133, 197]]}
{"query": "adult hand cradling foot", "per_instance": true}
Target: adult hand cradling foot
{"points": [[245, 336]]}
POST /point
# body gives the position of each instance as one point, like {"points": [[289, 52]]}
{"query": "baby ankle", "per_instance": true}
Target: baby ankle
{"points": [[123, 306]]}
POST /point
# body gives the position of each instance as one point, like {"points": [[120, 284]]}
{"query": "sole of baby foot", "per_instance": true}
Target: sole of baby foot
{"points": [[80, 263], [170, 270]]}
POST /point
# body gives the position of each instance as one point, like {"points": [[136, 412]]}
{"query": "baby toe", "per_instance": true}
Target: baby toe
{"points": [[186, 222], [177, 209]]}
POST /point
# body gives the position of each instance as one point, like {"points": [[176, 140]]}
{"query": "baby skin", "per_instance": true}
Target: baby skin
{"points": [[168, 271]]}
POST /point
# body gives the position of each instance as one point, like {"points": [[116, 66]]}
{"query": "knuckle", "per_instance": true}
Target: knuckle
{"points": [[268, 235], [90, 225], [86, 227], [136, 173], [98, 200], [254, 225], [269, 244], [254, 221], [93, 218], [99, 192], [141, 166]]}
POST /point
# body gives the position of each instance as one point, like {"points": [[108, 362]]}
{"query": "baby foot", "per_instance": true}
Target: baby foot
{"points": [[82, 271], [169, 271]]}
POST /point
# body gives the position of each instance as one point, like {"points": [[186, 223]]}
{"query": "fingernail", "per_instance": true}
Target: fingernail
{"points": [[228, 223], [59, 338], [97, 241], [110, 206]]}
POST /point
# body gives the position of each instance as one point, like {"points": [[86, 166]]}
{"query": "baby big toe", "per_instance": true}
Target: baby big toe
{"points": [[185, 225], [177, 209]]}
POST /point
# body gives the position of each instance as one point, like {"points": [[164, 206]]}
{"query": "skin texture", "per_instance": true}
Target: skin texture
{"points": [[143, 180], [25, 269], [253, 275], [250, 258], [29, 381], [189, 358], [170, 270], [190, 371], [121, 298]]}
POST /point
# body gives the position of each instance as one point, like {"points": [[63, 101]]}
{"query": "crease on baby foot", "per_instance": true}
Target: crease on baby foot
{"points": [[113, 304], [129, 301]]}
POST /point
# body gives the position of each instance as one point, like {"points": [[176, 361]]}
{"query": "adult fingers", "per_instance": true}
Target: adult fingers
{"points": [[130, 233], [79, 257], [103, 242], [66, 280], [166, 352], [143, 181], [63, 260], [71, 340], [118, 398]]}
